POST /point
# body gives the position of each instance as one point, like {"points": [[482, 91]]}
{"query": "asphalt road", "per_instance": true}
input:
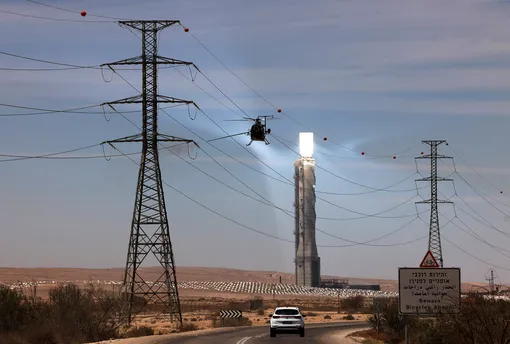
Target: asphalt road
{"points": [[315, 333]]}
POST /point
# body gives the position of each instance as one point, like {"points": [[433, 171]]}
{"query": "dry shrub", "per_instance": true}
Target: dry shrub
{"points": [[187, 327], [139, 331], [71, 315], [231, 322], [370, 333], [481, 321], [354, 303]]}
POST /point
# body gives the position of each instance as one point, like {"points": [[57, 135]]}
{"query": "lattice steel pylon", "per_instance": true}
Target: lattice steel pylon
{"points": [[150, 231], [434, 232]]}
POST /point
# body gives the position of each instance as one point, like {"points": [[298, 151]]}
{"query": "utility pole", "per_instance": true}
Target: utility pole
{"points": [[338, 300], [150, 232], [434, 232], [491, 282]]}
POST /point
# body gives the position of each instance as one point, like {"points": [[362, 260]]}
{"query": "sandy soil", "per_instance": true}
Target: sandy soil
{"points": [[11, 275]]}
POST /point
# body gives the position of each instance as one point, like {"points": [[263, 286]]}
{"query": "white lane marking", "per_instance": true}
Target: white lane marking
{"points": [[243, 340], [246, 339]]}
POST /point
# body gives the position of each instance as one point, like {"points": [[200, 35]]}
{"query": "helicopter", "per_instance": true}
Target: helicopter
{"points": [[257, 131]]}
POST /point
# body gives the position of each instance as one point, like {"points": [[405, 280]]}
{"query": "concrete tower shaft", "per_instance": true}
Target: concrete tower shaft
{"points": [[307, 258]]}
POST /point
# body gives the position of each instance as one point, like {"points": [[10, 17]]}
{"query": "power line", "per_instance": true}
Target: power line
{"points": [[66, 66], [266, 201], [480, 193], [290, 183], [55, 155], [468, 253], [97, 67], [251, 228], [476, 172], [194, 133], [375, 190], [73, 11], [202, 73], [41, 111], [271, 104], [55, 19], [45, 110], [49, 62], [486, 223], [75, 110], [331, 173], [473, 256], [49, 155], [363, 215], [224, 65], [476, 236]]}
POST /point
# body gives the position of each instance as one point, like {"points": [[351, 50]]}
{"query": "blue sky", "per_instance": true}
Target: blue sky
{"points": [[373, 76]]}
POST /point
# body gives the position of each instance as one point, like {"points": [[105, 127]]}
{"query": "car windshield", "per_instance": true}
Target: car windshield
{"points": [[287, 312]]}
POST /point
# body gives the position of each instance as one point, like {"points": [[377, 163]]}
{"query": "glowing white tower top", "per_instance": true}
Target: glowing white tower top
{"points": [[306, 145]]}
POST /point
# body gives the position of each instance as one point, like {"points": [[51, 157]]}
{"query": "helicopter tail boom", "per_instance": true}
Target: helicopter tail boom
{"points": [[226, 137]]}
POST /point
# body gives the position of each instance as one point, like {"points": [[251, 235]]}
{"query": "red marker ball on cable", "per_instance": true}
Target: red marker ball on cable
{"points": [[362, 153], [394, 157], [325, 138], [421, 152], [83, 13], [186, 29], [279, 110]]}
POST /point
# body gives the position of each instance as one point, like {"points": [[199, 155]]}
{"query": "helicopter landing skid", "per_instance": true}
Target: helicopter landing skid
{"points": [[265, 141]]}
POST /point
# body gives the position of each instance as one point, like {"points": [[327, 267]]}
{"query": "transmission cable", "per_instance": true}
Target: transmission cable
{"points": [[46, 156], [230, 219], [480, 175], [333, 174], [317, 191], [55, 111], [477, 191], [235, 104], [271, 104], [466, 252], [270, 204], [476, 236], [66, 66], [472, 255], [56, 19], [194, 133], [72, 11]]}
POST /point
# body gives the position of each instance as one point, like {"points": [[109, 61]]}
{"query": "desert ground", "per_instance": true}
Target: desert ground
{"points": [[203, 295], [184, 274]]}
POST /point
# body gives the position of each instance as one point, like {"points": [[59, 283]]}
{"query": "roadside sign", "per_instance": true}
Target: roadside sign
{"points": [[429, 261], [429, 291]]}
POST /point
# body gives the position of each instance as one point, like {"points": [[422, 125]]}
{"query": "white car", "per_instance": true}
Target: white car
{"points": [[287, 319]]}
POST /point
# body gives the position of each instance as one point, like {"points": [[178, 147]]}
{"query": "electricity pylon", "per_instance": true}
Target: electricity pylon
{"points": [[149, 228], [434, 232]]}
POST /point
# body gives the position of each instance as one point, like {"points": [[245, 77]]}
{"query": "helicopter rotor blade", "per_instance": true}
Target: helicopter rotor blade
{"points": [[225, 137], [238, 120]]}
